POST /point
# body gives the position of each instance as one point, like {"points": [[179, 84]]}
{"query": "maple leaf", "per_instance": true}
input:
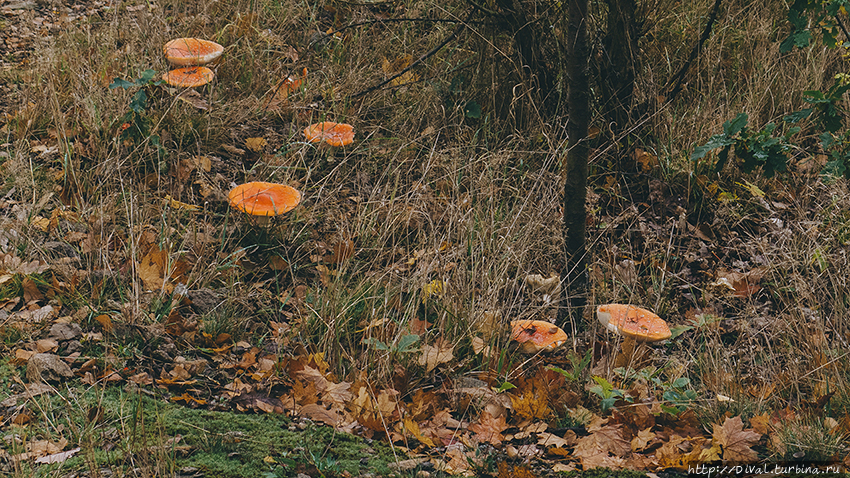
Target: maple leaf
{"points": [[734, 441], [669, 455], [642, 440], [413, 428], [550, 440], [533, 402], [256, 144], [489, 429]]}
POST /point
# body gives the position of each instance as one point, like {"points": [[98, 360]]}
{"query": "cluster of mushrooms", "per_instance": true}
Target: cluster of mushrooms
{"points": [[635, 324], [189, 56], [266, 199]]}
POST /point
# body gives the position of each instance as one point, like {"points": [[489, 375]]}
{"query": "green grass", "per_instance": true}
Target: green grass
{"points": [[133, 430]]}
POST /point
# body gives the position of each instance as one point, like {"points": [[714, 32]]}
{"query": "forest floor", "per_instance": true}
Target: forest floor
{"points": [[149, 329]]}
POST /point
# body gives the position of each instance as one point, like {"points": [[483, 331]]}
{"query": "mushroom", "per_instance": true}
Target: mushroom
{"points": [[638, 327], [191, 51], [633, 322], [536, 336], [335, 134], [189, 77], [264, 199]]}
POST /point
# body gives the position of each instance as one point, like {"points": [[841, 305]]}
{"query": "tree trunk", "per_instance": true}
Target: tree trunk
{"points": [[574, 275]]}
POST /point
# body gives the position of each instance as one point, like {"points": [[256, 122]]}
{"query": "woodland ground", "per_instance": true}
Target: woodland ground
{"points": [[178, 337]]}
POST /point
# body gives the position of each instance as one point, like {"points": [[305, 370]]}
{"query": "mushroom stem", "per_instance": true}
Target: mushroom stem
{"points": [[632, 353]]}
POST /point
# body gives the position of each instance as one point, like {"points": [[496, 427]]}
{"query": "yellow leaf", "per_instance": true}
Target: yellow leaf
{"points": [[175, 204], [42, 223], [395, 66], [256, 144], [435, 287], [413, 428]]}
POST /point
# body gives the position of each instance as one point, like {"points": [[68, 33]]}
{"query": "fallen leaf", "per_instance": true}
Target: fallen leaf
{"points": [[489, 429], [194, 98], [57, 457], [734, 441], [433, 355], [256, 144], [321, 414], [413, 428], [643, 438]]}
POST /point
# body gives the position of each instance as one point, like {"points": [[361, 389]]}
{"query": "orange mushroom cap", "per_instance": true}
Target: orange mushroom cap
{"points": [[189, 77], [191, 51], [264, 199], [536, 336], [335, 134], [632, 321]]}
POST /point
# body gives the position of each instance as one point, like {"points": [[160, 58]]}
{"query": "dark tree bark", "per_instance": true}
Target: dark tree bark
{"points": [[574, 276]]}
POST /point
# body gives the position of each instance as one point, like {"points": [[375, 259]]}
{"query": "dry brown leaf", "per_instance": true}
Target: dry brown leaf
{"points": [[761, 423], [105, 322], [734, 441], [489, 429], [194, 98], [46, 345], [593, 452], [321, 414], [643, 438], [57, 457], [342, 251], [433, 355], [550, 440]]}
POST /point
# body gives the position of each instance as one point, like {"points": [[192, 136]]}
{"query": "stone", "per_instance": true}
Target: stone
{"points": [[47, 368], [61, 332]]}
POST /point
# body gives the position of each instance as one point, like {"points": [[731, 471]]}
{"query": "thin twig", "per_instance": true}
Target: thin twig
{"points": [[680, 75], [841, 25], [422, 58]]}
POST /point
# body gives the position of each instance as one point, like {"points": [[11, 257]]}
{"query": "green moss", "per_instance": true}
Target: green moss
{"points": [[220, 444]]}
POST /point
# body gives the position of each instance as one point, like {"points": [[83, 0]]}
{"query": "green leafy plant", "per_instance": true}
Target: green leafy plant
{"points": [[606, 391], [405, 344], [822, 14], [753, 148], [135, 124], [579, 366]]}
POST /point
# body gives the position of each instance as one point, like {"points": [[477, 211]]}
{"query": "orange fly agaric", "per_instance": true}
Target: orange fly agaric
{"points": [[191, 51], [335, 134], [189, 77], [633, 322], [536, 336], [264, 199]]}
